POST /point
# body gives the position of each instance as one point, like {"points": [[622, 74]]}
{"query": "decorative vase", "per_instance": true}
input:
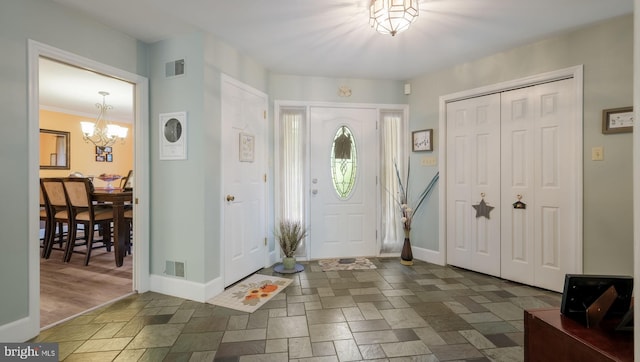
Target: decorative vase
{"points": [[406, 256], [289, 263]]}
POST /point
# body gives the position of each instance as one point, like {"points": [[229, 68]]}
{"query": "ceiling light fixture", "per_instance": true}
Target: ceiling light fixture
{"points": [[392, 16], [101, 132]]}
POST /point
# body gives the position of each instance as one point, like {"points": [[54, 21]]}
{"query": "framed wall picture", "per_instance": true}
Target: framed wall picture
{"points": [[247, 147], [173, 136], [422, 140], [617, 120]]}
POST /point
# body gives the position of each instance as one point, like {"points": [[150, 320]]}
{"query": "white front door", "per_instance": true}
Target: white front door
{"points": [[473, 176], [244, 133], [342, 207], [539, 166]]}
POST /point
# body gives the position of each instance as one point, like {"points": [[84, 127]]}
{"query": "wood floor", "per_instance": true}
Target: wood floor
{"points": [[67, 289]]}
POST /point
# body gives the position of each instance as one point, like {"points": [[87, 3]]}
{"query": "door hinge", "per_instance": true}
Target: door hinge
{"points": [[265, 177], [264, 114], [265, 241]]}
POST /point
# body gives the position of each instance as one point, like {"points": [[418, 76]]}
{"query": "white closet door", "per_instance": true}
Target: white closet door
{"points": [[539, 242], [473, 170]]}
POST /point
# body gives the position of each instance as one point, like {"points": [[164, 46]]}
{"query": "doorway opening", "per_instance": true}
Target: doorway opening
{"points": [[67, 95], [139, 275]]}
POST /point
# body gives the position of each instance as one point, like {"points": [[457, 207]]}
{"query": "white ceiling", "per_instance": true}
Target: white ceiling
{"points": [[333, 38], [65, 88]]}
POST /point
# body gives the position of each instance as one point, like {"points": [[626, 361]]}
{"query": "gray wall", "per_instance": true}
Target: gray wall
{"points": [[186, 194], [46, 22], [322, 89], [606, 50]]}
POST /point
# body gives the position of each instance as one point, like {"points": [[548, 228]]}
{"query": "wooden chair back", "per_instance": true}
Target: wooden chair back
{"points": [[53, 190], [79, 192]]}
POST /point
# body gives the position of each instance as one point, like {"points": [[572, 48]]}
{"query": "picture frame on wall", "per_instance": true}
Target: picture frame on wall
{"points": [[617, 120], [173, 136], [247, 147], [422, 140]]}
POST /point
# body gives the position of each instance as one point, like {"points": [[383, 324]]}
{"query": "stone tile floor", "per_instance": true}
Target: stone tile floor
{"points": [[423, 312]]}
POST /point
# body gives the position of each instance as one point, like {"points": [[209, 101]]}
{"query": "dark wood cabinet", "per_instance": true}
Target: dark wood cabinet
{"points": [[550, 336]]}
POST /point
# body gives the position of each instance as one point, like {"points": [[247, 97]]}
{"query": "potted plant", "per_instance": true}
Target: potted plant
{"points": [[407, 211], [290, 234]]}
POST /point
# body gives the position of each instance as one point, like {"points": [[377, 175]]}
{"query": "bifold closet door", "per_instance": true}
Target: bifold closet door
{"points": [[538, 169], [473, 175]]}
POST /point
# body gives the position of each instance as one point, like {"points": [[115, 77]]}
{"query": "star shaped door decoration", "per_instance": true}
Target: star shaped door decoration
{"points": [[482, 209]]}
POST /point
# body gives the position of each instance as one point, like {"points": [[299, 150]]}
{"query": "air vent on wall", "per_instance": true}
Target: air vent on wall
{"points": [[174, 68], [174, 268]]}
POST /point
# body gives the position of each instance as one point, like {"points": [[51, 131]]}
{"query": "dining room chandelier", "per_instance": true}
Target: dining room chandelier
{"points": [[102, 133], [392, 16]]}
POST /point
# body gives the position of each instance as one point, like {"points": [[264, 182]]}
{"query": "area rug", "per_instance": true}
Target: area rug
{"points": [[251, 293], [346, 264]]}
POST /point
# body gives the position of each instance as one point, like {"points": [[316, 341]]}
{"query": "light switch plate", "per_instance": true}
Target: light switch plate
{"points": [[597, 153], [428, 161]]}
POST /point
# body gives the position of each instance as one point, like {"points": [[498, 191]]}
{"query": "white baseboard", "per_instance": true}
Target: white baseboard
{"points": [[429, 256], [186, 289], [19, 331]]}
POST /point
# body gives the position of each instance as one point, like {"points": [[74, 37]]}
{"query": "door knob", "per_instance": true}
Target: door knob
{"points": [[230, 198]]}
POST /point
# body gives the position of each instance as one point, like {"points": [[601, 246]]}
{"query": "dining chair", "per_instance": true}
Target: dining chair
{"points": [[126, 179], [45, 215], [128, 216], [85, 213], [56, 199]]}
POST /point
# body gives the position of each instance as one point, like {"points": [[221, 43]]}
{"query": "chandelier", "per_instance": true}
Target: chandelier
{"points": [[101, 132], [392, 16]]}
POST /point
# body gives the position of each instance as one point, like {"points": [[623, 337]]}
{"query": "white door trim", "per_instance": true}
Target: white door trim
{"points": [[31, 327], [576, 73]]}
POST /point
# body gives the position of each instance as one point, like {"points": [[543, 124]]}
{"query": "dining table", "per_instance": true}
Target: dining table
{"points": [[117, 197]]}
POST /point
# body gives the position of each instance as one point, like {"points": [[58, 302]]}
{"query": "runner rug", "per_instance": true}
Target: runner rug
{"points": [[346, 264], [251, 293]]}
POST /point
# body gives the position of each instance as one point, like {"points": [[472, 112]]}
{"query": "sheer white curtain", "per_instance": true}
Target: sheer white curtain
{"points": [[292, 168], [392, 151]]}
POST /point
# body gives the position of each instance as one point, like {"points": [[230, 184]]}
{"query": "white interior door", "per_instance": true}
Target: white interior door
{"points": [[343, 225], [473, 175], [244, 132], [539, 242]]}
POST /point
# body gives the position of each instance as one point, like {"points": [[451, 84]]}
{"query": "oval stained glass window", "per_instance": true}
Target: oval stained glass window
{"points": [[344, 162]]}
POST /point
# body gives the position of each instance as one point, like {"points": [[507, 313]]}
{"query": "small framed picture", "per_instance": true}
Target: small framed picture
{"points": [[247, 147], [99, 150], [99, 158], [107, 149], [422, 140], [617, 120], [109, 157], [173, 136]]}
